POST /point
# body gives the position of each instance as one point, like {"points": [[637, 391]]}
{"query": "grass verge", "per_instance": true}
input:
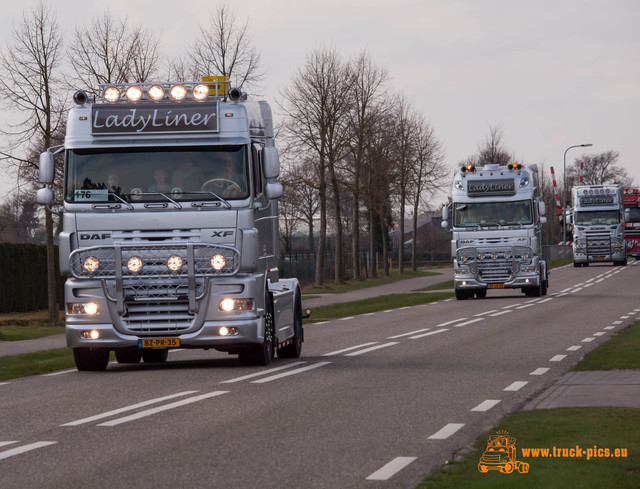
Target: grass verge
{"points": [[15, 366], [375, 304], [564, 428], [349, 285]]}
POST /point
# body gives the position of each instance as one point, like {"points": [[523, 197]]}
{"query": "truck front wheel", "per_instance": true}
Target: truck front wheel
{"points": [[262, 353], [91, 359], [295, 348]]}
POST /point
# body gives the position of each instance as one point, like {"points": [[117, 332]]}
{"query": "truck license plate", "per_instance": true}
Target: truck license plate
{"points": [[159, 343], [496, 286], [600, 258]]}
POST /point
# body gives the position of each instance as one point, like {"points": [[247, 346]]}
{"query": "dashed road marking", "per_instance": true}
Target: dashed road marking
{"points": [[558, 358], [351, 348], [429, 333], [291, 372], [516, 386], [25, 448], [263, 372], [486, 405], [447, 431], [371, 348], [540, 371], [392, 468]]}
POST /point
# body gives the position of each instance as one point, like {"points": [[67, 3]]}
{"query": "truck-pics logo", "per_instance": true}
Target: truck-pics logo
{"points": [[500, 454]]}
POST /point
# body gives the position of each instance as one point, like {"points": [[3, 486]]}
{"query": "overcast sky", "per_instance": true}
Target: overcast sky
{"points": [[550, 73]]}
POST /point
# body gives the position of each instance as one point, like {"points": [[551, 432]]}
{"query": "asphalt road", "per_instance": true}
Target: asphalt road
{"points": [[375, 401]]}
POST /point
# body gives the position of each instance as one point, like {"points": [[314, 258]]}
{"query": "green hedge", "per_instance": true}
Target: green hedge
{"points": [[23, 283]]}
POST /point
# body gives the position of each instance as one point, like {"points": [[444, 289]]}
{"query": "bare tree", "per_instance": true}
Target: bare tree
{"points": [[492, 151], [368, 87], [224, 48], [30, 83], [428, 173], [110, 51], [315, 111], [599, 169]]}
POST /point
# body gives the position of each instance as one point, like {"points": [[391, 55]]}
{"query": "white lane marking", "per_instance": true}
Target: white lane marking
{"points": [[574, 348], [127, 408], [609, 327], [346, 319], [511, 305], [372, 348], [601, 333], [486, 405], [447, 431], [408, 334], [624, 317], [53, 374], [391, 469], [429, 333], [349, 349], [588, 340], [5, 443], [5, 383], [485, 313], [516, 386], [546, 300], [291, 372], [558, 358], [468, 322], [159, 409], [441, 325], [259, 374], [617, 322], [502, 312], [524, 306], [25, 448], [540, 371]]}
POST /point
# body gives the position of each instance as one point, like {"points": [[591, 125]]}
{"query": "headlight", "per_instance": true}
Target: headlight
{"points": [[91, 264], [156, 92], [174, 263], [89, 308], [200, 92], [134, 93], [218, 262], [134, 264], [178, 92], [229, 304], [111, 94]]}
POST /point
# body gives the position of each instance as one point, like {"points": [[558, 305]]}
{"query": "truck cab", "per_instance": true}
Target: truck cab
{"points": [[496, 218], [170, 226]]}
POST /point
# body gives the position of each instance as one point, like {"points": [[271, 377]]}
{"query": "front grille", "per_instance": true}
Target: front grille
{"points": [[157, 291], [494, 271], [598, 246], [153, 318]]}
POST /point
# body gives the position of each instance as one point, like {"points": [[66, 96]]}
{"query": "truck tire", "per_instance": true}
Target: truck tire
{"points": [[262, 353], [91, 359], [463, 295], [295, 348]]}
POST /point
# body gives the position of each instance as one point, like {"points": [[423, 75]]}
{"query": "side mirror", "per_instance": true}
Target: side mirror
{"points": [[45, 196], [46, 167], [270, 162], [273, 190], [542, 208]]}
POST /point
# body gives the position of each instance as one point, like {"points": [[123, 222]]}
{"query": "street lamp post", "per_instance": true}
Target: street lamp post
{"points": [[564, 203]]}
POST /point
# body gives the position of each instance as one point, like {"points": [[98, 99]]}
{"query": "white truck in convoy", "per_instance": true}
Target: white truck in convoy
{"points": [[598, 218], [170, 225], [496, 217]]}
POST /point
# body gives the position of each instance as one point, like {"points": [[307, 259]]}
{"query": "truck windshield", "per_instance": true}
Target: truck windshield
{"points": [[476, 214], [634, 214], [156, 174], [587, 218]]}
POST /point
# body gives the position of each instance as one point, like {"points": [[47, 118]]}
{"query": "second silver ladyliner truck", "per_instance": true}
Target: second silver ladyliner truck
{"points": [[496, 217], [170, 226]]}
